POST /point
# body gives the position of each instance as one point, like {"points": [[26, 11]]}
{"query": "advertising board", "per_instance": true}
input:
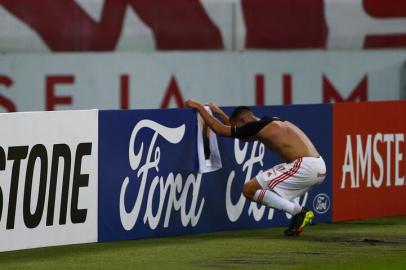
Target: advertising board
{"points": [[48, 179], [369, 160], [149, 184]]}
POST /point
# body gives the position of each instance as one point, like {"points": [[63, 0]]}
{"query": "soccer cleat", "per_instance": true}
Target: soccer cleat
{"points": [[291, 225], [299, 222]]}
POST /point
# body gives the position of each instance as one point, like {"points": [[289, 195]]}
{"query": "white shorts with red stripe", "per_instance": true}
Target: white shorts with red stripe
{"points": [[291, 180]]}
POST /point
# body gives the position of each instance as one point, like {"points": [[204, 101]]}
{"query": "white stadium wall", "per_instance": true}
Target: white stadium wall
{"points": [[49, 181], [160, 80]]}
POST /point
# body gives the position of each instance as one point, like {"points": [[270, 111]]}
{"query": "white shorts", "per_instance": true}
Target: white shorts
{"points": [[291, 180]]}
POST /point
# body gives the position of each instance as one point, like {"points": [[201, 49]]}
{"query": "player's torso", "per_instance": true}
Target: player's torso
{"points": [[287, 140]]}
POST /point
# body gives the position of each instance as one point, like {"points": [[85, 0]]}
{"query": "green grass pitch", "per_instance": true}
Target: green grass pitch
{"points": [[371, 244]]}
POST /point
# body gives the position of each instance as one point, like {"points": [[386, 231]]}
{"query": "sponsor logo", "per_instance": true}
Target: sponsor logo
{"points": [[179, 194], [368, 166], [37, 162], [321, 203], [234, 210]]}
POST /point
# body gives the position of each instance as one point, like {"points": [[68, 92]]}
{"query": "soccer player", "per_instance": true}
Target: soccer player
{"points": [[276, 187]]}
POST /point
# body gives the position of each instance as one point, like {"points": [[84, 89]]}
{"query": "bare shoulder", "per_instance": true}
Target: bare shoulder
{"points": [[273, 128], [277, 125]]}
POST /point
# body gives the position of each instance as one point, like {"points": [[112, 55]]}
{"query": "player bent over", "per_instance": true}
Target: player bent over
{"points": [[303, 169]]}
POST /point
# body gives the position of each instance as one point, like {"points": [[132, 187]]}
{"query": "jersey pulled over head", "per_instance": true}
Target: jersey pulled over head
{"points": [[245, 124]]}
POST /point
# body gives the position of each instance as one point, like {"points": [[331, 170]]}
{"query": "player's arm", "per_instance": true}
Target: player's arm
{"points": [[251, 129], [223, 116], [248, 130], [213, 123]]}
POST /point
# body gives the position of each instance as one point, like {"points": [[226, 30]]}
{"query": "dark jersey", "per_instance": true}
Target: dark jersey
{"points": [[252, 128]]}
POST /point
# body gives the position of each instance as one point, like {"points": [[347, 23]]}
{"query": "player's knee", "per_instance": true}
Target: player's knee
{"points": [[248, 191], [250, 188]]}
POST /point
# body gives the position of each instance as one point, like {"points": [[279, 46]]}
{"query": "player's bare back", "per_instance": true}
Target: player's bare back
{"points": [[287, 140]]}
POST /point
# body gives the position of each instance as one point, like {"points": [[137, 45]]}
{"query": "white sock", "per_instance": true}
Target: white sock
{"points": [[271, 199]]}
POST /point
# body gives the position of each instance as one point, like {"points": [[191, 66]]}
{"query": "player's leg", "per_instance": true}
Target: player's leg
{"points": [[254, 191], [306, 173]]}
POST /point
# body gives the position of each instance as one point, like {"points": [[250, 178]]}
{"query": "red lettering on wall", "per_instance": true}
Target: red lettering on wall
{"points": [[287, 89], [64, 26], [281, 24], [51, 98], [179, 24], [259, 90], [383, 9], [124, 91], [173, 91], [331, 94], [5, 102]]}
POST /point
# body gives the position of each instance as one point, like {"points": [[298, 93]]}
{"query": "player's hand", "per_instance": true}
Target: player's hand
{"points": [[191, 103], [214, 108]]}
